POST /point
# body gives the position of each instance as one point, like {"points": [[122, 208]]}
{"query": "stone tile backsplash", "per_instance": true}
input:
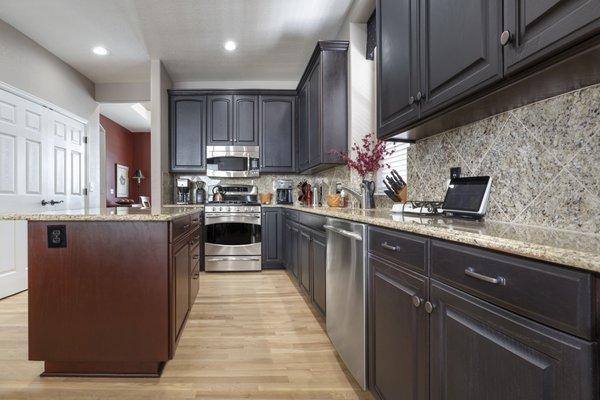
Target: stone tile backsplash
{"points": [[544, 160]]}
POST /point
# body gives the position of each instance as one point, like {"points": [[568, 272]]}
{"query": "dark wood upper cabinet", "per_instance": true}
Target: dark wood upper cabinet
{"points": [[447, 63], [459, 49], [398, 64], [220, 120], [398, 333], [278, 133], [245, 117], [315, 150], [479, 351], [303, 133], [323, 90], [540, 28], [187, 133]]}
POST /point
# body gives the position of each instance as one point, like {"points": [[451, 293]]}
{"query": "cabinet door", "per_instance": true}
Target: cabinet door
{"points": [[540, 28], [181, 266], [398, 332], [220, 121], [245, 117], [303, 141], [277, 132], [187, 133], [319, 260], [480, 351], [304, 261], [295, 252], [271, 237], [398, 64], [314, 117], [460, 50]]}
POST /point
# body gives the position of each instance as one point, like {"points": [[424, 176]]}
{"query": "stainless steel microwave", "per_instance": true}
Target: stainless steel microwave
{"points": [[232, 161]]}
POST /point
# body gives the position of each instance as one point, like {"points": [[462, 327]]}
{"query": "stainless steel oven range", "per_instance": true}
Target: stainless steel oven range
{"points": [[233, 230]]}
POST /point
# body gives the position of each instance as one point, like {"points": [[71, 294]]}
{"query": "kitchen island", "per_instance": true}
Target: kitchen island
{"points": [[110, 289]]}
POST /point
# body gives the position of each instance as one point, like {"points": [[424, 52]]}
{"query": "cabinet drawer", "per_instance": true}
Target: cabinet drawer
{"points": [[554, 296], [406, 250], [291, 215], [180, 227], [195, 220], [313, 221]]}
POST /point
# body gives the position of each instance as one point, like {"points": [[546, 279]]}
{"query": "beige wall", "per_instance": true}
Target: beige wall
{"points": [[160, 82], [29, 67]]}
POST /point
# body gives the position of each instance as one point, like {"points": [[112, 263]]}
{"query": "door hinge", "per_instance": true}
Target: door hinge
{"points": [[85, 139], [85, 192]]}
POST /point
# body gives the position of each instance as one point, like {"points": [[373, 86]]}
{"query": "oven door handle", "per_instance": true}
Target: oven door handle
{"points": [[232, 215], [233, 258]]}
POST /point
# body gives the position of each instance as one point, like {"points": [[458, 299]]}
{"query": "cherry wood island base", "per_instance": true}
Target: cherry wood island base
{"points": [[114, 301]]}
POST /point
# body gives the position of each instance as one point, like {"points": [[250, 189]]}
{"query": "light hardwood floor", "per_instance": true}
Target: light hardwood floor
{"points": [[249, 336]]}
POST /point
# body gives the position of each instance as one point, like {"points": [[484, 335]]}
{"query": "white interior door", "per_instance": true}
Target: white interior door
{"points": [[13, 257], [42, 157]]}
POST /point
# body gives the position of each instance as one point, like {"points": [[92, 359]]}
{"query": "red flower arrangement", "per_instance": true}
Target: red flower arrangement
{"points": [[369, 155]]}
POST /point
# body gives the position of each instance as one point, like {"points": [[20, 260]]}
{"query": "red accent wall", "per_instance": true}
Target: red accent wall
{"points": [[130, 149]]}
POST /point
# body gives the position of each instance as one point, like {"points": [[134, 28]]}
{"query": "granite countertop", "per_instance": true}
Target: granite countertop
{"points": [[572, 249], [165, 213]]}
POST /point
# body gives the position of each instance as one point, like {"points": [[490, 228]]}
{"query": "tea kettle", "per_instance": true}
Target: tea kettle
{"points": [[218, 193]]}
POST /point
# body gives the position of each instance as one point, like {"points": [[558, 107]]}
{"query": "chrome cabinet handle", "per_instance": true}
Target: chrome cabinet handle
{"points": [[419, 96], [496, 281], [429, 307], [343, 232], [417, 301], [411, 100], [505, 38], [387, 246]]}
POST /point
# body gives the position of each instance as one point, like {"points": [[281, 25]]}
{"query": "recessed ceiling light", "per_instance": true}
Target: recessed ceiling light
{"points": [[100, 51], [230, 45]]}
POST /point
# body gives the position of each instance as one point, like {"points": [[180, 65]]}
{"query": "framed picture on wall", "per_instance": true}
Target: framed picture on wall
{"points": [[122, 180]]}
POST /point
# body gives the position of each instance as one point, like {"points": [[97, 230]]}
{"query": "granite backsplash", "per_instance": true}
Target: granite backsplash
{"points": [[544, 160]]}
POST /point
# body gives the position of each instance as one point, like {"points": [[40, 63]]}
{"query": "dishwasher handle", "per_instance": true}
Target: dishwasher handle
{"points": [[343, 232]]}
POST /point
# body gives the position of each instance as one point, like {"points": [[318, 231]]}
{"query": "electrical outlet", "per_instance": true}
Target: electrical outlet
{"points": [[454, 172], [57, 236]]}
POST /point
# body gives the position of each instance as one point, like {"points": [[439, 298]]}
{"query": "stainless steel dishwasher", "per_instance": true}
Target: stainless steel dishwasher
{"points": [[346, 293]]}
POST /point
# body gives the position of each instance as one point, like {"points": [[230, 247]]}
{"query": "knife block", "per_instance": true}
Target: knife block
{"points": [[403, 195]]}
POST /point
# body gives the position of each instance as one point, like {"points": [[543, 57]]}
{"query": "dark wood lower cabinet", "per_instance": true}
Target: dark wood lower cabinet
{"points": [[305, 250], [114, 300], [304, 261], [181, 267], [479, 351], [398, 333], [318, 257]]}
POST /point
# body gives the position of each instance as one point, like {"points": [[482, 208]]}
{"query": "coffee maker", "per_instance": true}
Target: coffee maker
{"points": [[183, 191], [284, 189]]}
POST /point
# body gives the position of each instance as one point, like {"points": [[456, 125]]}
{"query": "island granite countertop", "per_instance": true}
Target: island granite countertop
{"points": [[568, 248], [165, 213]]}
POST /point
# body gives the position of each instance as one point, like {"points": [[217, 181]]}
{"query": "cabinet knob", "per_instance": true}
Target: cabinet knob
{"points": [[505, 38], [429, 307], [419, 96], [417, 301], [411, 100]]}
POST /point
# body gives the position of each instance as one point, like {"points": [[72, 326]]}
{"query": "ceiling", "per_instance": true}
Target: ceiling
{"points": [[275, 37], [125, 115]]}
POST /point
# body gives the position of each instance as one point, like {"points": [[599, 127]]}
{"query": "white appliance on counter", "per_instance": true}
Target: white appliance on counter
{"points": [[346, 281]]}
